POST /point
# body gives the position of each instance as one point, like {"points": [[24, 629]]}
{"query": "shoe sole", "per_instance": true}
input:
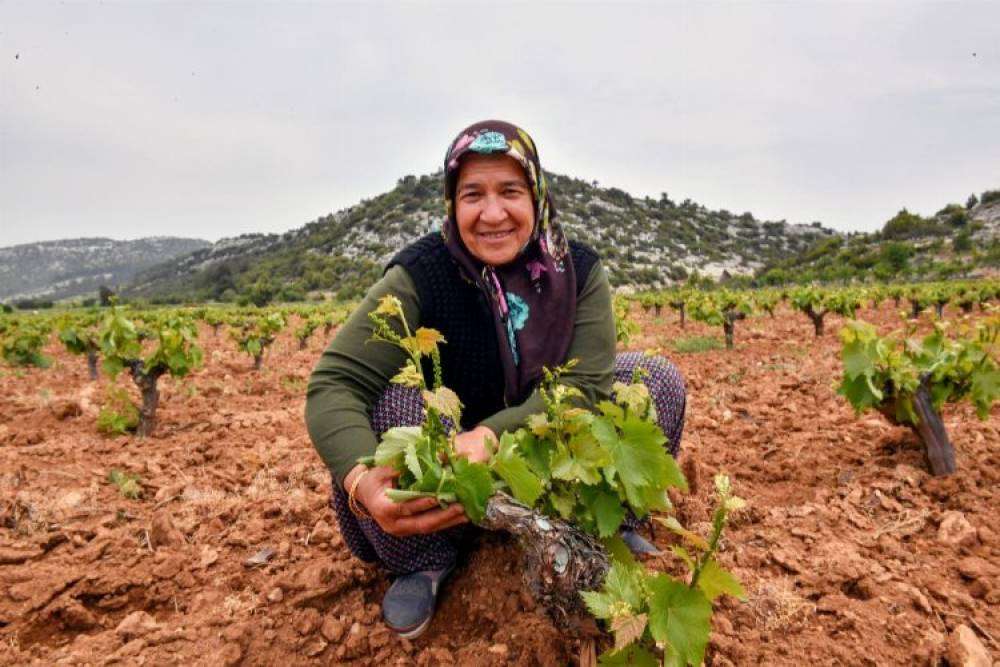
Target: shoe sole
{"points": [[417, 631]]}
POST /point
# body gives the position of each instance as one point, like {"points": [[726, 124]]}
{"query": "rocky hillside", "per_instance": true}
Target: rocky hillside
{"points": [[61, 269], [644, 241], [957, 241]]}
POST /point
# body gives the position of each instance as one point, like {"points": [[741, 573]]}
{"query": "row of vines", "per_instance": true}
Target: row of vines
{"points": [[565, 482]]}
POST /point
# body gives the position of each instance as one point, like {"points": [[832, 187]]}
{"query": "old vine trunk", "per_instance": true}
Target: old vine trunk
{"points": [[559, 559]]}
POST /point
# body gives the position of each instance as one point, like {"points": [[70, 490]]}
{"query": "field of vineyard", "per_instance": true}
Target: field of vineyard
{"points": [[209, 540]]}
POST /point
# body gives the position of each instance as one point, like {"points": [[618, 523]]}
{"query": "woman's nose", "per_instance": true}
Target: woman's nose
{"points": [[493, 210]]}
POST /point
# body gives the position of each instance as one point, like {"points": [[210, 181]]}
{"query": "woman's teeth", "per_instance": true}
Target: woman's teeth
{"points": [[494, 235]]}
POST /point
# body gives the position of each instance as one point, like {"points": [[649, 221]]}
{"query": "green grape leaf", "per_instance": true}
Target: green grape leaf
{"points": [[623, 582], [683, 554], [538, 424], [599, 604], [391, 450], [409, 376], [113, 366], [630, 656], [581, 460], [473, 486], [860, 392], [985, 389], [513, 469], [609, 409], [412, 461], [619, 551], [691, 537], [606, 508], [564, 502], [857, 359], [679, 616], [633, 396], [535, 452], [639, 458], [715, 581], [445, 401]]}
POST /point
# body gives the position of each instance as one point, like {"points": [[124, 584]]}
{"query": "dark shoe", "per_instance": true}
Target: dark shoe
{"points": [[638, 544], [408, 605]]}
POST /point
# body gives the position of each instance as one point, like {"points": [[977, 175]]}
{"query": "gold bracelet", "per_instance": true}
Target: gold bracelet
{"points": [[357, 509]]}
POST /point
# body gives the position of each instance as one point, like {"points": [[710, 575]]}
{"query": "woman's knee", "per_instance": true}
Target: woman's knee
{"points": [[669, 393]]}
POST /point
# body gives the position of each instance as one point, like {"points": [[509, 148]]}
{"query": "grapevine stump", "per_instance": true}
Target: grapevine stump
{"points": [[559, 560], [147, 383], [729, 318], [92, 363], [930, 429]]}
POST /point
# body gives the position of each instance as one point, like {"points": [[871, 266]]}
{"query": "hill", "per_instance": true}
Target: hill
{"points": [[643, 241], [957, 241], [55, 270]]}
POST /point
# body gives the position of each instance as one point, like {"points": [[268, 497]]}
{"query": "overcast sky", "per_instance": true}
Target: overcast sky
{"points": [[130, 119]]}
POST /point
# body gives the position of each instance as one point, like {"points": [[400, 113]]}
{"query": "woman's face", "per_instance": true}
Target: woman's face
{"points": [[493, 207]]}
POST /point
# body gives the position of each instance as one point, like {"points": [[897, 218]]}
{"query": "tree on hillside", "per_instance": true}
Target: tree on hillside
{"points": [[904, 225]]}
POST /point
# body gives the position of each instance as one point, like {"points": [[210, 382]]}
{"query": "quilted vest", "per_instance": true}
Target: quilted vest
{"points": [[470, 359]]}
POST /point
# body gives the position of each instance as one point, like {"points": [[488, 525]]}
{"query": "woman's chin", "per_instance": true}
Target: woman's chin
{"points": [[496, 257]]}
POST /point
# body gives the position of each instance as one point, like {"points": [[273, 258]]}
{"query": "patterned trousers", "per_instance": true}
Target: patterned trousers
{"points": [[401, 406]]}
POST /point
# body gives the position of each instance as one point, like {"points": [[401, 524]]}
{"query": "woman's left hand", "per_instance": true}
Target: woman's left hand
{"points": [[472, 444]]}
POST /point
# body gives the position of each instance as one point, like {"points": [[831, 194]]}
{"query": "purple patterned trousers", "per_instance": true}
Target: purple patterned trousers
{"points": [[401, 406]]}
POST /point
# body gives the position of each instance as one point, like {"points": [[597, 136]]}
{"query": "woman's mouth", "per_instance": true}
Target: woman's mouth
{"points": [[496, 236]]}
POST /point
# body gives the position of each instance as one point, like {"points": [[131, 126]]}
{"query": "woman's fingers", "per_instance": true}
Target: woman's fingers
{"points": [[412, 507], [431, 521], [457, 520]]}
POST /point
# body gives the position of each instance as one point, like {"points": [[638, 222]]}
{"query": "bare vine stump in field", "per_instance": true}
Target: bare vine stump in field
{"points": [[559, 560], [930, 429], [817, 319], [729, 319], [92, 364], [146, 381], [679, 306]]}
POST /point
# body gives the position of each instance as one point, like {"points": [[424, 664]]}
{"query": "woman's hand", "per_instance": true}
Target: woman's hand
{"points": [[473, 444], [414, 517]]}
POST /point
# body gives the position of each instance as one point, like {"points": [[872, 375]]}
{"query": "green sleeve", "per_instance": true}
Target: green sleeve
{"points": [[593, 345], [351, 375]]}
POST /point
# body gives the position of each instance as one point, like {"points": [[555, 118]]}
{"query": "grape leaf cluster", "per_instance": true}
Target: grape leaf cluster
{"points": [[884, 372]]}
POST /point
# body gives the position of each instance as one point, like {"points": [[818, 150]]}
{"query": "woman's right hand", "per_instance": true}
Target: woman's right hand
{"points": [[414, 517]]}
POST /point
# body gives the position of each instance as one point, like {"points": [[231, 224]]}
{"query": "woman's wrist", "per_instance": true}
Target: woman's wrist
{"points": [[352, 476]]}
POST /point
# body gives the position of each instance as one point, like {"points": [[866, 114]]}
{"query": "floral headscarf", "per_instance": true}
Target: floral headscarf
{"points": [[533, 297]]}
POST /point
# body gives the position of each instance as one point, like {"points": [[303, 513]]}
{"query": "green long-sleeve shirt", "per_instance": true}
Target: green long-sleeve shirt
{"points": [[352, 373]]}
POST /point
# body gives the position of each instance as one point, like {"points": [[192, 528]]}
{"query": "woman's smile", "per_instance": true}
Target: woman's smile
{"points": [[496, 236]]}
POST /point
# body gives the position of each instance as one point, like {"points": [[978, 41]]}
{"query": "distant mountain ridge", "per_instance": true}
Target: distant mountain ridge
{"points": [[74, 267], [642, 241], [956, 242]]}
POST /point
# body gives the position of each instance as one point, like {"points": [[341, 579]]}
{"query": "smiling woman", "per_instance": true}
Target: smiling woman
{"points": [[511, 295]]}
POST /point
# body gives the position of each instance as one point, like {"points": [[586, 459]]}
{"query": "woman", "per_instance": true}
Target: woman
{"points": [[511, 295]]}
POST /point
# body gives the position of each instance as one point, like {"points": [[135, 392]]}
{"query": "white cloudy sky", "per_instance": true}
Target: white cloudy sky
{"points": [[211, 119]]}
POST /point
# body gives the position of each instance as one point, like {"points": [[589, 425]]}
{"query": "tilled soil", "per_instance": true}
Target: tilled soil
{"points": [[850, 552]]}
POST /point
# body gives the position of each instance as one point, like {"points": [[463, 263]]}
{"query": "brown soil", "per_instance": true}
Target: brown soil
{"points": [[850, 552]]}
